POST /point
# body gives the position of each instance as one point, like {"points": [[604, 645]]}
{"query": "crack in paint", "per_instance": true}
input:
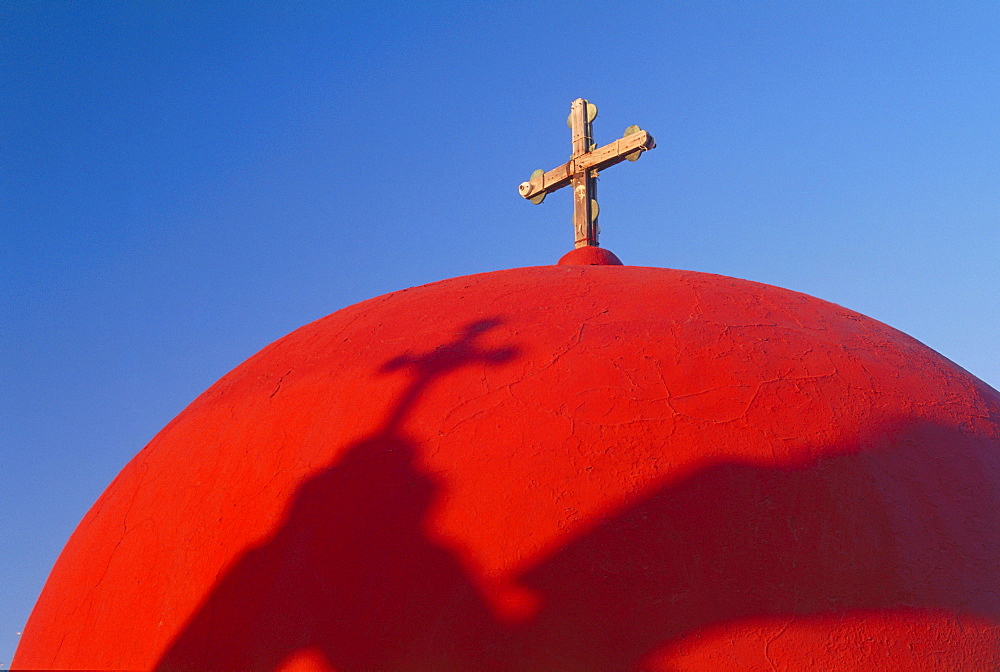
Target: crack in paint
{"points": [[280, 380], [767, 644]]}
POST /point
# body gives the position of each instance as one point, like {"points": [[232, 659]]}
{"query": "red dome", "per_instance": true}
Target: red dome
{"points": [[585, 467]]}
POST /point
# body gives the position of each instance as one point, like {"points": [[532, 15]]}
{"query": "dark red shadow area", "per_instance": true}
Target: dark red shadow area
{"points": [[352, 576], [738, 541]]}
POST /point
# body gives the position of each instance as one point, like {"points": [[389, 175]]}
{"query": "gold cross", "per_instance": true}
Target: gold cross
{"points": [[582, 168]]}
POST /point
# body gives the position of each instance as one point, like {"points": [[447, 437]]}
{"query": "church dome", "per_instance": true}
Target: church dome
{"points": [[580, 467]]}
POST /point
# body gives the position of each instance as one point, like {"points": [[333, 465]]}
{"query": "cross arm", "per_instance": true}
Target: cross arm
{"points": [[598, 159], [615, 152], [546, 183]]}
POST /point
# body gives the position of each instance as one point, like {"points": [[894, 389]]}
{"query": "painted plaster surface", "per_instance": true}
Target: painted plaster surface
{"points": [[563, 468]]}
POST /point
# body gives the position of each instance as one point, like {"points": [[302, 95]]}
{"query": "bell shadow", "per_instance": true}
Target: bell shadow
{"points": [[352, 577]]}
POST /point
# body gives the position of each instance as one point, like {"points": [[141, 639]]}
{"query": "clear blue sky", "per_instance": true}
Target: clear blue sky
{"points": [[181, 184]]}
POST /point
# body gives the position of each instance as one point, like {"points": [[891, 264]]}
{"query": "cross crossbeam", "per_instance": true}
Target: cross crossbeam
{"points": [[582, 169]]}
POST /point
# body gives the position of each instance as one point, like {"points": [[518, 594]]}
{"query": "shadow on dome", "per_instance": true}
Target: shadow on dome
{"points": [[352, 579], [864, 534], [349, 575]]}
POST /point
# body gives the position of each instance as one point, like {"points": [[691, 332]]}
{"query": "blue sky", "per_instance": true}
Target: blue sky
{"points": [[181, 184]]}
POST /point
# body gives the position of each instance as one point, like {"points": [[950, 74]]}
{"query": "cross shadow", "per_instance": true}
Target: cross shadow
{"points": [[350, 574], [351, 577]]}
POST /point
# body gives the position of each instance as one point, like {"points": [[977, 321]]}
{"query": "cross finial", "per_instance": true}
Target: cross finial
{"points": [[582, 168]]}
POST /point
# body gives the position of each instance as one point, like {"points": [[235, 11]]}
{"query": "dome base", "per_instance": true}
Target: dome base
{"points": [[590, 256]]}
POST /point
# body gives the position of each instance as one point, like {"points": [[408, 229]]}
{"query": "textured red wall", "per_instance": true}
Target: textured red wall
{"points": [[564, 467]]}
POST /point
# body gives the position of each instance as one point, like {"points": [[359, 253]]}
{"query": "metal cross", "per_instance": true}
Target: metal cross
{"points": [[582, 168]]}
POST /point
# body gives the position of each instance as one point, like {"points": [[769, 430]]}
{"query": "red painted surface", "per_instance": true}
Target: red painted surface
{"points": [[566, 467]]}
